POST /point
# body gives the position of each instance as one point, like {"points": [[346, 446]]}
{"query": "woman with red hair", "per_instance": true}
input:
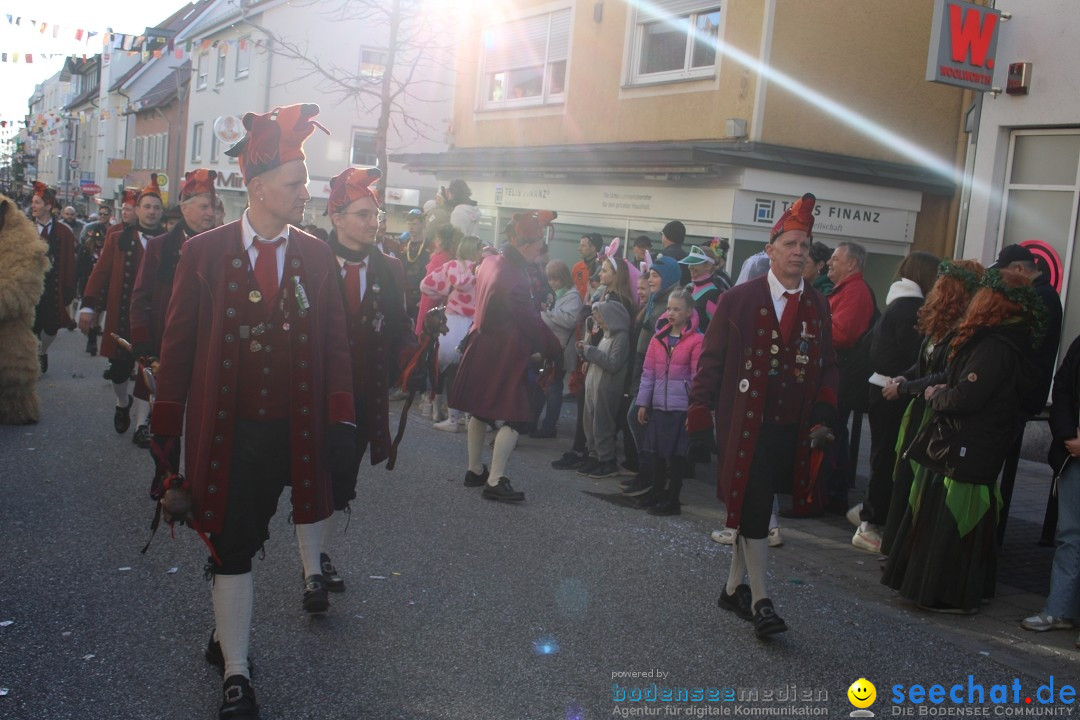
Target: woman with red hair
{"points": [[945, 305], [945, 555]]}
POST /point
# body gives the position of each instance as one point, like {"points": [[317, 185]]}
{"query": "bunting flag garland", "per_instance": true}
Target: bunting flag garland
{"points": [[147, 45]]}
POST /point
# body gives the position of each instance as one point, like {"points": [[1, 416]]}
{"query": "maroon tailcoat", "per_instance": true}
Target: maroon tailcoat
{"points": [[111, 282], [60, 287], [153, 287], [381, 343], [492, 382], [733, 376], [200, 363]]}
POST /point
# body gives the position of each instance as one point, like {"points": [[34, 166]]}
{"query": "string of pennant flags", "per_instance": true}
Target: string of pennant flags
{"points": [[149, 45]]}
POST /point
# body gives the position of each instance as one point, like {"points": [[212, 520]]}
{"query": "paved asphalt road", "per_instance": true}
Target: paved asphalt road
{"points": [[456, 607]]}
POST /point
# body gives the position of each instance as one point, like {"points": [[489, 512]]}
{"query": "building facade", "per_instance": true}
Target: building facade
{"points": [[244, 60], [623, 116]]}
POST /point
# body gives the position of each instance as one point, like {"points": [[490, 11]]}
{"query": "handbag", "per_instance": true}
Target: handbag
{"points": [[933, 443]]}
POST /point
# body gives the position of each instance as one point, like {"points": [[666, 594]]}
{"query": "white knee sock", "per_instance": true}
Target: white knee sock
{"points": [[774, 519], [477, 429], [329, 525], [121, 390], [757, 561], [142, 411], [234, 599], [737, 571], [46, 341], [505, 442], [309, 537]]}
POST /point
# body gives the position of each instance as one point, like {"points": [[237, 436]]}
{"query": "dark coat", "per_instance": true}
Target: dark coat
{"points": [[380, 349], [52, 308], [987, 380], [200, 354], [492, 381], [732, 380], [1045, 355], [153, 287], [1065, 407]]}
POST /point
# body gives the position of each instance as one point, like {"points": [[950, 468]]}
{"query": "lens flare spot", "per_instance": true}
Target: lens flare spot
{"points": [[545, 645]]}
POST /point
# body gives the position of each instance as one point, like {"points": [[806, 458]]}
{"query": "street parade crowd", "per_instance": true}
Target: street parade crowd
{"points": [[259, 354]]}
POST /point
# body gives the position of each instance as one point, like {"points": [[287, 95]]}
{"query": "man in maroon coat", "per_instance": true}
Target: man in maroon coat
{"points": [[52, 309], [492, 382], [255, 351], [153, 284], [768, 371], [381, 338], [109, 288]]}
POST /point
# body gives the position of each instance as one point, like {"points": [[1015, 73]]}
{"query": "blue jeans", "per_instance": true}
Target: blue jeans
{"points": [[1064, 598]]}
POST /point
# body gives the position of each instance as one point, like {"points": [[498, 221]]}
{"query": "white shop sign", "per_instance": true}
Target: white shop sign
{"points": [[847, 220], [707, 205]]}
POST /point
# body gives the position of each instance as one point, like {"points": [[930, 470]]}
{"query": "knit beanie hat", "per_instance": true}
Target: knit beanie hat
{"points": [[668, 270]]}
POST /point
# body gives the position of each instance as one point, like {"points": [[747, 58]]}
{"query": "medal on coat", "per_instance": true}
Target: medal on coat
{"points": [[256, 346], [254, 296], [804, 334], [775, 350], [376, 322], [301, 294]]}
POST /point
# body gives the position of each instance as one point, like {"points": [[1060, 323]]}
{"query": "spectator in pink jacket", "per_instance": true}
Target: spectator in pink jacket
{"points": [[443, 249], [662, 400], [454, 285]]}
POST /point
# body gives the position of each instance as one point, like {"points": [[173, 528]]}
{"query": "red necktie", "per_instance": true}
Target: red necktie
{"points": [[352, 285], [791, 311], [266, 275]]}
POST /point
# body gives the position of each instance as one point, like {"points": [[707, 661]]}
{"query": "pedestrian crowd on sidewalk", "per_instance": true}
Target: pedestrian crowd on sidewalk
{"points": [[266, 356]]}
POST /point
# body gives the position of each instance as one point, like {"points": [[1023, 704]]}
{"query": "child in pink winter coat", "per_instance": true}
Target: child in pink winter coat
{"points": [[662, 400]]}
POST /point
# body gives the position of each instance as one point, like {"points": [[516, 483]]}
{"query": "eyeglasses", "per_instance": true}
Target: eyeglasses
{"points": [[366, 215]]}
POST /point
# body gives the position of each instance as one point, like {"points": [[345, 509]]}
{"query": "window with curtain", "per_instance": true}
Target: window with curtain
{"points": [[525, 61]]}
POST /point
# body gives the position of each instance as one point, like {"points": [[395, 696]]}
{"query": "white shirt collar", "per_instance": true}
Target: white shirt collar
{"points": [[777, 290], [248, 234]]}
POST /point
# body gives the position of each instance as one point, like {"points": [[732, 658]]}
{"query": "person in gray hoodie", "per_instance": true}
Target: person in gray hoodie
{"points": [[604, 386]]}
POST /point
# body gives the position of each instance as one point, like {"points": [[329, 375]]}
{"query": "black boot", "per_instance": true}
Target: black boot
{"points": [[669, 503]]}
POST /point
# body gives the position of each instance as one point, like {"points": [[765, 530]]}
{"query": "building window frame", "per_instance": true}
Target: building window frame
{"points": [[202, 71], [541, 76], [696, 51], [372, 63], [219, 70], [243, 57], [196, 142], [215, 147], [359, 152]]}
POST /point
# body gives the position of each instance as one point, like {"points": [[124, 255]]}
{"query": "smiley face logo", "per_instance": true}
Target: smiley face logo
{"points": [[862, 693]]}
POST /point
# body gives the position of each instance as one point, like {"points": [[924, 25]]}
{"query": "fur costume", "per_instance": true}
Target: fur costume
{"points": [[23, 264]]}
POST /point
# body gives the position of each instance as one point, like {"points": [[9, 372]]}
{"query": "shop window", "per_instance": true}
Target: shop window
{"points": [[525, 61], [675, 40]]}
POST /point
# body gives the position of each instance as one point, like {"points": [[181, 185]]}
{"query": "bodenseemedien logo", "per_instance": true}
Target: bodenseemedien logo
{"points": [[862, 695]]}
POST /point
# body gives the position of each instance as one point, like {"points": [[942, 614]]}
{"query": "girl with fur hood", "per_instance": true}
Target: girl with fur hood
{"points": [[23, 264], [662, 401]]}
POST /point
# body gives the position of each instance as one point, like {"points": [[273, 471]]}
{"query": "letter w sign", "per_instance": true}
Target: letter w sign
{"points": [[963, 44]]}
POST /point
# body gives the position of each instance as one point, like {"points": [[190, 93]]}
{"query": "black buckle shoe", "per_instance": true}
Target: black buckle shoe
{"points": [[502, 492], [122, 417], [141, 437], [238, 701], [474, 480], [315, 600], [334, 582], [215, 657], [737, 602], [766, 621]]}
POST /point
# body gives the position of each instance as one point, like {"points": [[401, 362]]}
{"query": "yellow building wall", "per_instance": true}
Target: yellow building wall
{"points": [[869, 56], [597, 108]]}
